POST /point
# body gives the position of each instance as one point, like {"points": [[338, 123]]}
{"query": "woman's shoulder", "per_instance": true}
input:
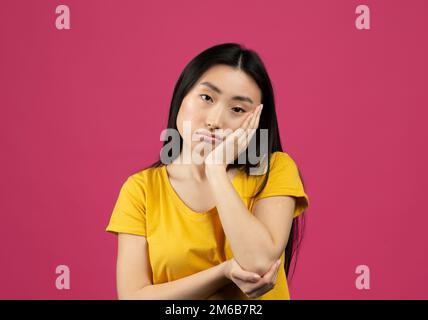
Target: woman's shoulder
{"points": [[146, 177], [282, 158], [277, 159]]}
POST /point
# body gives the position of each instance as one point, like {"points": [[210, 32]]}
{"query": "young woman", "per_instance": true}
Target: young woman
{"points": [[222, 227]]}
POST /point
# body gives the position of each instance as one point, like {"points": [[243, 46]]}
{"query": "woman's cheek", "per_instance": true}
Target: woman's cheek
{"points": [[233, 124], [192, 114]]}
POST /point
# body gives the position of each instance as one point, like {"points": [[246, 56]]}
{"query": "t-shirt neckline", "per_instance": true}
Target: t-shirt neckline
{"points": [[183, 206]]}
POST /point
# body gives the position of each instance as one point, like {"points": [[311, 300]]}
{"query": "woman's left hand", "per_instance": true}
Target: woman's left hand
{"points": [[236, 142], [252, 287]]}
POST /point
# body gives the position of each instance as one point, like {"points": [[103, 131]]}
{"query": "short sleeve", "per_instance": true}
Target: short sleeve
{"points": [[284, 180], [129, 212]]}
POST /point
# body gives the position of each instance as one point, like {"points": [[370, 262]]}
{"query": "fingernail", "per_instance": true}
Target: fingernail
{"points": [[261, 106]]}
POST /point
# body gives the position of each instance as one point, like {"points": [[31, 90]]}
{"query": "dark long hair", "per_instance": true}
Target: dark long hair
{"points": [[248, 61]]}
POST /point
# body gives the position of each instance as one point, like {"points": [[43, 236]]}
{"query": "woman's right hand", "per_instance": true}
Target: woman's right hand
{"points": [[250, 283]]}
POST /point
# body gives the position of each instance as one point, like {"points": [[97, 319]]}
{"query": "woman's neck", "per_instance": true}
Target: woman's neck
{"points": [[187, 170]]}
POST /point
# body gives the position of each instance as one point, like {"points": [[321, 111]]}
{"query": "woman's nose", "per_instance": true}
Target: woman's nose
{"points": [[214, 118]]}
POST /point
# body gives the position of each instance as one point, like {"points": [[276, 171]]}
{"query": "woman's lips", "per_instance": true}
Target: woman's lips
{"points": [[209, 138]]}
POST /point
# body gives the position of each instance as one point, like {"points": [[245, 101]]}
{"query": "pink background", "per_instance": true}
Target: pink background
{"points": [[81, 109]]}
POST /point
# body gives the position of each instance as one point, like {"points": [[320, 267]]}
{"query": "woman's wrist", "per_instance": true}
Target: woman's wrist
{"points": [[225, 268]]}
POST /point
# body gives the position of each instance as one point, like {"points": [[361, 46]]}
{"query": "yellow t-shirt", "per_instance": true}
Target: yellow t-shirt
{"points": [[181, 241]]}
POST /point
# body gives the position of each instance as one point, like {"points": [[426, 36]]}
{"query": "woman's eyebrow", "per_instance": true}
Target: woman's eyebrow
{"points": [[214, 88]]}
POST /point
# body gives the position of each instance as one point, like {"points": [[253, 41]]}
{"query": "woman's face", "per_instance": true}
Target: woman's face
{"points": [[220, 100]]}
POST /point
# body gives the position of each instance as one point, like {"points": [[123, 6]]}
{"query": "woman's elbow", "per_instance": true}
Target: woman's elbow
{"points": [[140, 294], [259, 266]]}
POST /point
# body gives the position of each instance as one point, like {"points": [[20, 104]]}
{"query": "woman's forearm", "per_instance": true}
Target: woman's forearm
{"points": [[248, 237], [200, 285]]}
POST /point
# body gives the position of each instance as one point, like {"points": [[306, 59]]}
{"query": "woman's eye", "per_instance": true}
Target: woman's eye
{"points": [[201, 95], [235, 109], [238, 109]]}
